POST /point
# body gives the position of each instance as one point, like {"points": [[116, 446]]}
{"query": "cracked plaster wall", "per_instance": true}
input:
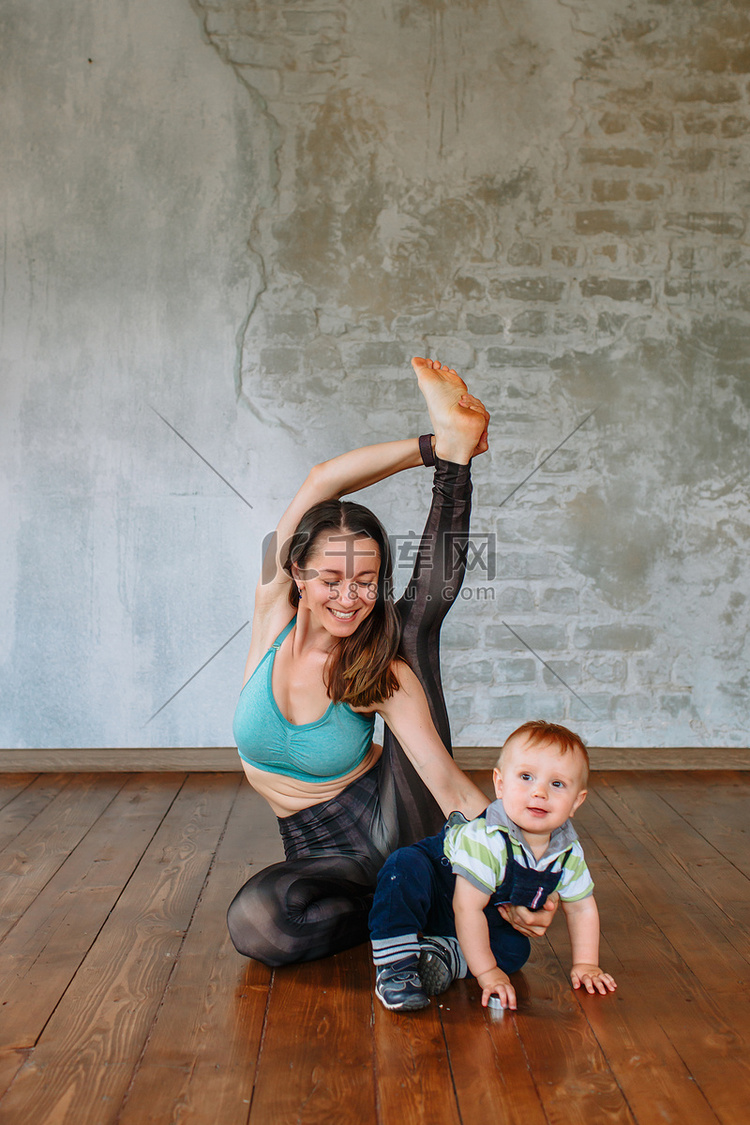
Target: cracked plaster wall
{"points": [[258, 212]]}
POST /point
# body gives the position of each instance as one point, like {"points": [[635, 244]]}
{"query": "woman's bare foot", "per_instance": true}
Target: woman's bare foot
{"points": [[459, 419], [469, 402]]}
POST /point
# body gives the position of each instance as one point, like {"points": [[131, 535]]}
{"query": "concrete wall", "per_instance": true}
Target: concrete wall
{"points": [[247, 215]]}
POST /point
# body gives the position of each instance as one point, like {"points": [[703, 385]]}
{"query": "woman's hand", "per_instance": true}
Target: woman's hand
{"points": [[531, 923]]}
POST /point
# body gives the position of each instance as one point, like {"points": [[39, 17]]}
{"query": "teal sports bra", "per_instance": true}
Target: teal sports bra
{"points": [[327, 749]]}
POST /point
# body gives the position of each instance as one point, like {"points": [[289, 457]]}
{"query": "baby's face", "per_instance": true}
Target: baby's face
{"points": [[540, 787]]}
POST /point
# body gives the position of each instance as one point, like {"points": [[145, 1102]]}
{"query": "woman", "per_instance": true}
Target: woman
{"points": [[329, 650]]}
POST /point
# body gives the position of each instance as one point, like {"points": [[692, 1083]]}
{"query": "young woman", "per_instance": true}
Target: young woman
{"points": [[329, 650]]}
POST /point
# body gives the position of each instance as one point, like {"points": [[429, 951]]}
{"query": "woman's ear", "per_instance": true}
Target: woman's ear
{"points": [[297, 578]]}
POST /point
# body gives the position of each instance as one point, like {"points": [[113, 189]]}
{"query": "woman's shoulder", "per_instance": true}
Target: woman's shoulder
{"points": [[407, 697], [405, 675]]}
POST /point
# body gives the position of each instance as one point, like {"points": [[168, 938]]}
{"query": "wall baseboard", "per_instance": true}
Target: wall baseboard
{"points": [[632, 758], [224, 759]]}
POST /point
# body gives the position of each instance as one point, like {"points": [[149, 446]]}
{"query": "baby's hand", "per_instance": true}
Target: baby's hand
{"points": [[592, 978], [496, 982]]}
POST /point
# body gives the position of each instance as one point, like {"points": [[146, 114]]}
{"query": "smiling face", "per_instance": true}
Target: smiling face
{"points": [[339, 581], [540, 786]]}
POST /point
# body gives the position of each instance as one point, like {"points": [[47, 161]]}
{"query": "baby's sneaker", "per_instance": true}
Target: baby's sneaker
{"points": [[440, 963], [398, 987]]}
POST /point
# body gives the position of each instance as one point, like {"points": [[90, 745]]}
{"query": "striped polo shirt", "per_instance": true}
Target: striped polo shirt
{"points": [[479, 850]]}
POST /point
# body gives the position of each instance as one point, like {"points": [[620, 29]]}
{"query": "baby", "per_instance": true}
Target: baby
{"points": [[435, 918]]}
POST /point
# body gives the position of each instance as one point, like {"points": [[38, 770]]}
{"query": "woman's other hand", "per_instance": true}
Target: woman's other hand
{"points": [[531, 923]]}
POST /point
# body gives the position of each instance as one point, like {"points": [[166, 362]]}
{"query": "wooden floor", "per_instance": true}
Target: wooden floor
{"points": [[123, 1000]]}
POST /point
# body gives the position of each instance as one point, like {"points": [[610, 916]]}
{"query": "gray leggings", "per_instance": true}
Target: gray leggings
{"points": [[316, 902]]}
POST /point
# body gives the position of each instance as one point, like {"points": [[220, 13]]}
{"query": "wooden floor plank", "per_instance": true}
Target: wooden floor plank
{"points": [[717, 810], [658, 943], [412, 1068], [10, 1064], [490, 1069], [316, 1063], [649, 822], [26, 804], [658, 1086], [203, 1049], [12, 785], [681, 908], [36, 853], [689, 856], [575, 1082], [660, 1089], [83, 1063], [43, 951]]}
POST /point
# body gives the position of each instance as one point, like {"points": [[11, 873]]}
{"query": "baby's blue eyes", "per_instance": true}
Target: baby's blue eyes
{"points": [[554, 784]]}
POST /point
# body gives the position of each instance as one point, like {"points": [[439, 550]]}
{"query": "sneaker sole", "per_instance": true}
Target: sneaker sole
{"points": [[434, 974]]}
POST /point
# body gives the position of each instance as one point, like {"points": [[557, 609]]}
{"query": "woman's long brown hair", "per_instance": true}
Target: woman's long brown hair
{"points": [[359, 670]]}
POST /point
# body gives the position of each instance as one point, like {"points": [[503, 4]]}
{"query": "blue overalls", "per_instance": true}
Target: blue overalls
{"points": [[525, 886]]}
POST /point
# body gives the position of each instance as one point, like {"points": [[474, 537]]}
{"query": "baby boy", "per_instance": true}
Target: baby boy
{"points": [[435, 918]]}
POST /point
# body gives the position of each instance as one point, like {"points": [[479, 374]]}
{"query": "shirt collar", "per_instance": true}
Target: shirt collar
{"points": [[560, 839]]}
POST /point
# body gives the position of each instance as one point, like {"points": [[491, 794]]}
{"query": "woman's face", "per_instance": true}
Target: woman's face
{"points": [[338, 581]]}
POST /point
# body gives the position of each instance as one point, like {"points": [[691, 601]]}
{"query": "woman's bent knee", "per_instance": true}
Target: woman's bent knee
{"points": [[253, 926], [254, 934], [295, 912]]}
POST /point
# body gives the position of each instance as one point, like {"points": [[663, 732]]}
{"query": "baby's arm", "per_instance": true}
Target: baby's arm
{"points": [[474, 938], [583, 926]]}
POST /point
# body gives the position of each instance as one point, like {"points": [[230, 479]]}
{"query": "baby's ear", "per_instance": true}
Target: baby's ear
{"points": [[497, 781], [579, 801]]}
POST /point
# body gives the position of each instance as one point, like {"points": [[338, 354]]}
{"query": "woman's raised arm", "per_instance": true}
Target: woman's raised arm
{"points": [[408, 716], [330, 480]]}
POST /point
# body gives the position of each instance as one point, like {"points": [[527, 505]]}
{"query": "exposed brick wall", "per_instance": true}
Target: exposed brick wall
{"points": [[553, 198]]}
